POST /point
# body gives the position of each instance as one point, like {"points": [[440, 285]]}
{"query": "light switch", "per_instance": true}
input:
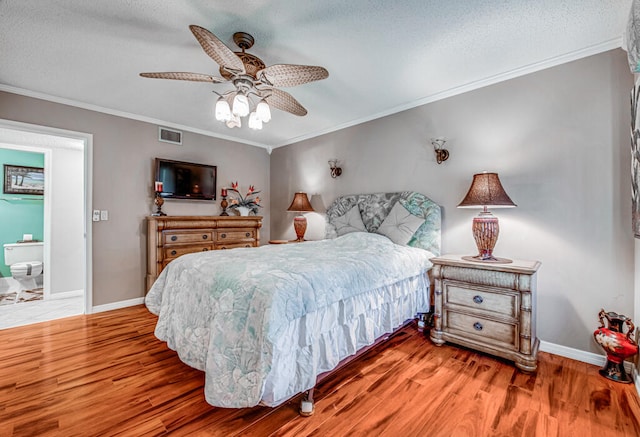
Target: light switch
{"points": [[96, 215], [104, 215]]}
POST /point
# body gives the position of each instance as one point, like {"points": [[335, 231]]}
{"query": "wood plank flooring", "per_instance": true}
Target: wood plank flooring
{"points": [[106, 375]]}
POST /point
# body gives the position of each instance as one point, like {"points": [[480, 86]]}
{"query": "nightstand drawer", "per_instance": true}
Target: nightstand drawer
{"points": [[506, 303], [176, 251], [183, 237], [235, 236], [488, 331]]}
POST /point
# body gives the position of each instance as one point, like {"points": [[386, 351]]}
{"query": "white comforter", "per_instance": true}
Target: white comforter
{"points": [[263, 322]]}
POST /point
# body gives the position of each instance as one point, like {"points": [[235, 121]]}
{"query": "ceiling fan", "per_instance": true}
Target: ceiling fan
{"points": [[255, 84]]}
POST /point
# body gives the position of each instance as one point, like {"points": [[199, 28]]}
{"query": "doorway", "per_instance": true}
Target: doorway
{"points": [[67, 249]]}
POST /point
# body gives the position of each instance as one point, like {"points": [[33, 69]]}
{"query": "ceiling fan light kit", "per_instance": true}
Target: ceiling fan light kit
{"points": [[254, 84]]}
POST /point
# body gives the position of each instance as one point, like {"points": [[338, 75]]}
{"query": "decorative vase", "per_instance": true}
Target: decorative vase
{"points": [[243, 210], [617, 345]]}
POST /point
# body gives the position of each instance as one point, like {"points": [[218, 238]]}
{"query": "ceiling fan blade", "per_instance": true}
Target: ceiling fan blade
{"points": [[195, 77], [216, 49], [286, 75], [284, 101]]}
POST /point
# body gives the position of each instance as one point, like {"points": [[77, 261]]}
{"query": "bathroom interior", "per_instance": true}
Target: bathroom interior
{"points": [[42, 269]]}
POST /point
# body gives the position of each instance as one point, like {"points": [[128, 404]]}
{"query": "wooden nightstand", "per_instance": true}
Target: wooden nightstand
{"points": [[488, 307]]}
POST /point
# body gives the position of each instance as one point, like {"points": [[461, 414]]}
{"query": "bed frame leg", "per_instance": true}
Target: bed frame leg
{"points": [[307, 405]]}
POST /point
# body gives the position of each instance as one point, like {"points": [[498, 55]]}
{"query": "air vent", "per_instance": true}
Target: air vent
{"points": [[167, 135]]}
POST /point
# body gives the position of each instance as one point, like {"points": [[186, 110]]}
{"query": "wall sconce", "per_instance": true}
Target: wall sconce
{"points": [[442, 154], [335, 170]]}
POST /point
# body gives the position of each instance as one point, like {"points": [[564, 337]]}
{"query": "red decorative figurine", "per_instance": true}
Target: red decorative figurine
{"points": [[616, 344]]}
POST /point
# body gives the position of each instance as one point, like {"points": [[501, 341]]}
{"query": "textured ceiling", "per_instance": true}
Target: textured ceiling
{"points": [[382, 56]]}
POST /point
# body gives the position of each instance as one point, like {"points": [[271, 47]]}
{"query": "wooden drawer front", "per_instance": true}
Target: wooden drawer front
{"points": [[172, 252], [233, 245], [502, 303], [485, 330], [186, 237], [236, 235]]}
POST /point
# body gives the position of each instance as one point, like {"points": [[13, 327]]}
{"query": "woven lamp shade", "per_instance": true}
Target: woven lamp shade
{"points": [[300, 204], [486, 191]]}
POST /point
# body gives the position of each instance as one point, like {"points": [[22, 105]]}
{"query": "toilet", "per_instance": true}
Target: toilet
{"points": [[25, 261]]}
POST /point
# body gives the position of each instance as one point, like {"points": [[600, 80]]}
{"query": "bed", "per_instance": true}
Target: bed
{"points": [[263, 323]]}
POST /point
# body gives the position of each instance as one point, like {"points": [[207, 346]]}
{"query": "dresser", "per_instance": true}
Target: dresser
{"points": [[488, 307], [169, 237]]}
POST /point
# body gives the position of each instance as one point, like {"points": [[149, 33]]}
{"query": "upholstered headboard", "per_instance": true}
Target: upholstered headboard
{"points": [[374, 208]]}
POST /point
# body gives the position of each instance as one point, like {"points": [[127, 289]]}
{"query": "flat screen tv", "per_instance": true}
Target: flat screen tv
{"points": [[186, 180]]}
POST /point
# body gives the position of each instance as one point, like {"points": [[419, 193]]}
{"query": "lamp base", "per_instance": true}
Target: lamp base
{"points": [[300, 226], [492, 259]]}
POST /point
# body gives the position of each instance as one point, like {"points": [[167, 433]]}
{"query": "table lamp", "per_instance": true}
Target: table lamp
{"points": [[300, 204], [486, 191]]}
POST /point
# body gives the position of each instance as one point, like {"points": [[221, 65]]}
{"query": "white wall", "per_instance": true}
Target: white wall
{"points": [[67, 220], [559, 139]]}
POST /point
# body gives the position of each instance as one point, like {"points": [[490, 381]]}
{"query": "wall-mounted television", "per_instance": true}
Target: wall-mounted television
{"points": [[186, 180]]}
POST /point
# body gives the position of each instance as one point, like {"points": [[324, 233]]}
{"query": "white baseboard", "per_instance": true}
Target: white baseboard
{"points": [[117, 305], [576, 354], [66, 294]]}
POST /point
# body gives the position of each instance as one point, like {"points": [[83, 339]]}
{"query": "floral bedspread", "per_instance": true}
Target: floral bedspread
{"points": [[223, 311]]}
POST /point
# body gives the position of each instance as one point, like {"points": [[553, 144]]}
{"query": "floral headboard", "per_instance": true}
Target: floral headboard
{"points": [[374, 208]]}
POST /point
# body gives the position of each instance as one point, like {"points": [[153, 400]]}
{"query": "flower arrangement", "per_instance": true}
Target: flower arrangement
{"points": [[250, 200]]}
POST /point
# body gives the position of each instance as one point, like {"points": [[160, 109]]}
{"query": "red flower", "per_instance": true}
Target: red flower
{"points": [[234, 185]]}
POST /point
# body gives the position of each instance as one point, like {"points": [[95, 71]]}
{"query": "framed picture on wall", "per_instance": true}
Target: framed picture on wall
{"points": [[19, 179]]}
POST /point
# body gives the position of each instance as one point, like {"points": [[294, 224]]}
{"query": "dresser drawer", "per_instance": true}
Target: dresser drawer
{"points": [[488, 331], [236, 235], [172, 252], [506, 303], [184, 237], [233, 245]]}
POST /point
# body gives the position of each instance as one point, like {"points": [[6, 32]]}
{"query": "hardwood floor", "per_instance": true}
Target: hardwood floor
{"points": [[106, 374]]}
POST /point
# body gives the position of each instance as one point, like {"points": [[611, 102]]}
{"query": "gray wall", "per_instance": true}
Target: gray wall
{"points": [[559, 139], [123, 153]]}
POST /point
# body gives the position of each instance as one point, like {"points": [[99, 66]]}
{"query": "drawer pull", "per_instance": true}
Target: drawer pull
{"points": [[173, 252], [477, 299], [205, 236], [174, 238], [205, 249], [223, 235], [248, 234], [477, 326], [223, 248], [247, 245]]}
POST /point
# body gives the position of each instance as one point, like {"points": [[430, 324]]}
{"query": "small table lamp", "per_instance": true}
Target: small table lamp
{"points": [[486, 191], [300, 204]]}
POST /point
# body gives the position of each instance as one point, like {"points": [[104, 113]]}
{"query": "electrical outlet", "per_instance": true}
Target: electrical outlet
{"points": [[96, 215], [104, 215]]}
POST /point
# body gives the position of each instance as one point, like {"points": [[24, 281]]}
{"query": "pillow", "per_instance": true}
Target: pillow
{"points": [[400, 225], [349, 222]]}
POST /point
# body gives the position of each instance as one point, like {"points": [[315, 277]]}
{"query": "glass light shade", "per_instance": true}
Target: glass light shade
{"points": [[263, 111], [254, 121], [223, 112], [240, 105], [234, 121]]}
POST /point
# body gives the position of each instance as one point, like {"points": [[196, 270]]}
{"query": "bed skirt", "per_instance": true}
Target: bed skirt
{"points": [[324, 338]]}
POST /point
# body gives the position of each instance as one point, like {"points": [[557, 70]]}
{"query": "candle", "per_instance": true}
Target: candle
{"points": [[158, 187], [223, 192]]}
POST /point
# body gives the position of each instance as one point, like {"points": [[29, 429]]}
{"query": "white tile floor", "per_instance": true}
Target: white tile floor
{"points": [[25, 313]]}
